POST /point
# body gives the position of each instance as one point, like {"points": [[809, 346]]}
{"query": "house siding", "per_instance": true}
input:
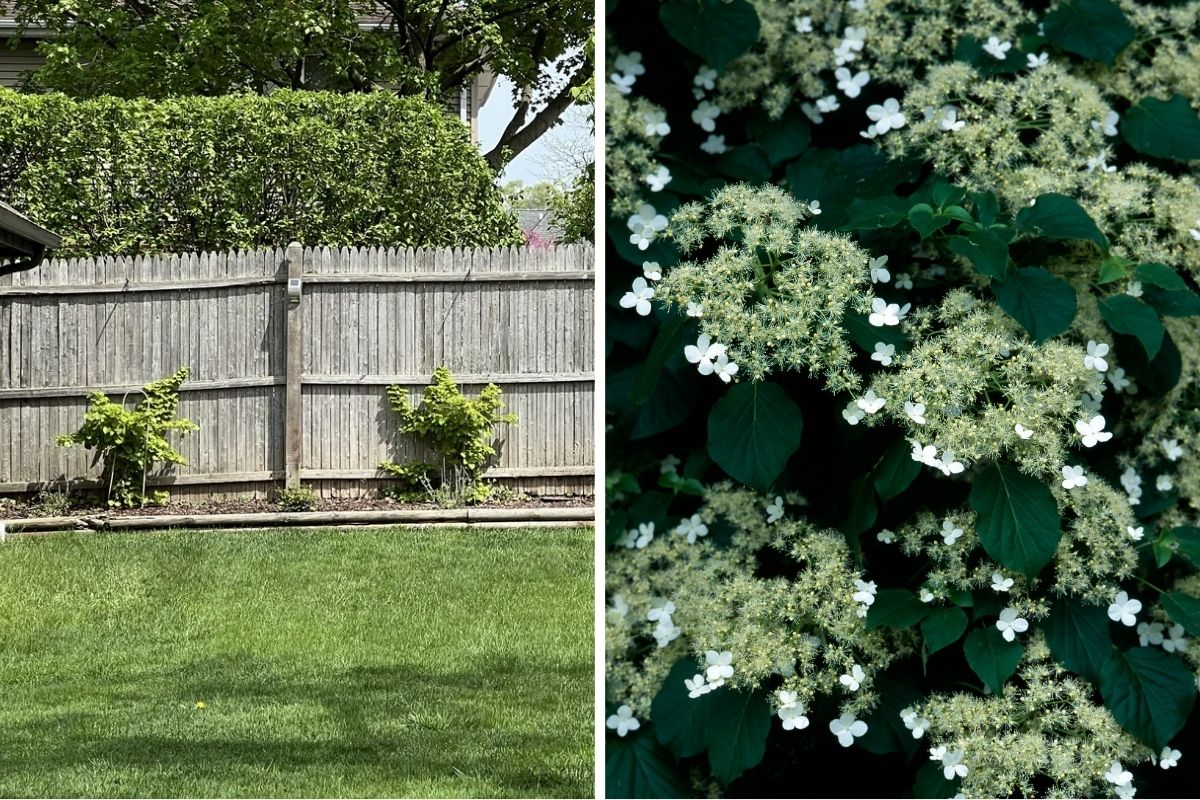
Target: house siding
{"points": [[15, 63]]}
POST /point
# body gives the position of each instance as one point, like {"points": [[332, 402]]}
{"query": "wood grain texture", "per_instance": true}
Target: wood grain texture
{"points": [[369, 317]]}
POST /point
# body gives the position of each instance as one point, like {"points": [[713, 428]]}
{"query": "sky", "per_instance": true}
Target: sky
{"points": [[547, 159]]}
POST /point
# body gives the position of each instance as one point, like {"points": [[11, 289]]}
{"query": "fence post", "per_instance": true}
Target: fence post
{"points": [[294, 409]]}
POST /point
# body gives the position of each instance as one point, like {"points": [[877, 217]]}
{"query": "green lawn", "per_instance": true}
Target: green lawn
{"points": [[431, 663]]}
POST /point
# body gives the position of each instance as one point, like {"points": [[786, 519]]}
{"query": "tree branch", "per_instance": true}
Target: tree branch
{"points": [[516, 138]]}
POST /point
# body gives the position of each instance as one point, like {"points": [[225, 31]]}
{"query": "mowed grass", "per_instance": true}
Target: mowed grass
{"points": [[400, 662]]}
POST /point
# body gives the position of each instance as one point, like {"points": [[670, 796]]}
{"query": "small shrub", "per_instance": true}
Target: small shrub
{"points": [[130, 442], [300, 498], [459, 430], [51, 503]]}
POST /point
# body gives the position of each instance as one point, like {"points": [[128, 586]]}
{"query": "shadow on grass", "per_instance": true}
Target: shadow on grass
{"points": [[502, 728]]}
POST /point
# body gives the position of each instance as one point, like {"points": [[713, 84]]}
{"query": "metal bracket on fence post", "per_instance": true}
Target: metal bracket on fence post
{"points": [[294, 409]]}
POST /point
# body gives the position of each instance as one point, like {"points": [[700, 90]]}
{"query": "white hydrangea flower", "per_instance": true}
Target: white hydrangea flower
{"points": [[645, 225], [1163, 483], [656, 122], [1092, 431], [692, 528], [660, 608], [697, 686], [812, 112], [952, 765], [1037, 61], [775, 510], [870, 403], [666, 632], [1135, 533], [1090, 402], [1073, 477], [1150, 633], [1022, 431], [720, 666], [714, 145], [828, 104], [950, 532], [887, 117], [1171, 449], [948, 464], [705, 116], [651, 271], [1195, 232], [886, 536], [915, 412], [703, 353], [638, 297], [695, 309], [946, 118], [846, 728], [706, 78], [996, 48], [793, 718], [1001, 583], [885, 313], [853, 679], [1134, 289], [814, 208], [852, 413], [904, 281], [1130, 480], [623, 721], [1124, 610], [725, 369], [639, 537], [1169, 758], [1175, 641], [927, 455], [658, 179], [630, 64], [803, 24], [618, 609], [878, 270], [1109, 126], [1121, 382], [925, 595], [883, 353], [1010, 624], [850, 85], [865, 591], [1118, 775], [917, 724], [1096, 351], [622, 83]]}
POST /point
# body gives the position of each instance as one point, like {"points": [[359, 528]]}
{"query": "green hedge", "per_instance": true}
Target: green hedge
{"points": [[197, 173]]}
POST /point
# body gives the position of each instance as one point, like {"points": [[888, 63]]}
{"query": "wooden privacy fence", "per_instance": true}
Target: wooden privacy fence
{"points": [[291, 391]]}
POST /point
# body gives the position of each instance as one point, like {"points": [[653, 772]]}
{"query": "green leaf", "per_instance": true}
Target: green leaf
{"points": [[865, 335], [1166, 292], [895, 470], [668, 342], [862, 511], [886, 732], [715, 30], [986, 251], [1043, 304], [875, 213], [1163, 128], [737, 732], [1184, 610], [1056, 216], [1112, 269], [681, 722], [1149, 692], [987, 207], [668, 406], [1018, 522], [947, 194], [942, 627], [993, 659], [1095, 29], [781, 139], [924, 221], [898, 608], [1079, 637], [1156, 376], [1159, 275], [931, 782], [1125, 314], [752, 431], [745, 163], [637, 766]]}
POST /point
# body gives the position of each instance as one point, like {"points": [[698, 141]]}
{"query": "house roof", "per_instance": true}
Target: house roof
{"points": [[540, 221], [22, 239]]}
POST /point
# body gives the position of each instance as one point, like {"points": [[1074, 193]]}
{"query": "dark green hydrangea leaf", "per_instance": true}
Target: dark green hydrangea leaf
{"points": [[895, 470], [1149, 692], [781, 139], [752, 431], [636, 765], [1128, 315], [875, 213], [1163, 128], [737, 732], [1079, 637], [1056, 216], [716, 30], [898, 608], [942, 628], [986, 251], [680, 722], [745, 163], [886, 732], [931, 783], [1159, 275], [863, 511], [1184, 610], [1044, 304], [992, 658], [1157, 376], [1018, 522], [1095, 29]]}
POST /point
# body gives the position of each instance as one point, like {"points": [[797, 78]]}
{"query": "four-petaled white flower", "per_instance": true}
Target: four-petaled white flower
{"points": [[720, 666], [1169, 758], [883, 353], [658, 179], [865, 591], [706, 78], [705, 116], [656, 122], [925, 595], [915, 412], [630, 64], [812, 112], [870, 403], [703, 353], [814, 208], [1118, 775], [852, 413], [885, 313], [1171, 449], [996, 48], [946, 118], [623, 721], [1037, 61], [1109, 126], [952, 765], [948, 464], [904, 281], [1092, 431], [697, 686], [803, 24], [1073, 477], [1090, 402], [927, 455], [645, 225], [886, 536], [846, 728], [641, 536], [792, 716], [850, 85], [1134, 289], [714, 145], [695, 309], [1163, 483], [1096, 351], [828, 103], [1175, 641], [1099, 162], [1135, 533], [853, 679], [1001, 583], [775, 510], [638, 297], [917, 724], [622, 83], [660, 608], [879, 271], [666, 632], [1022, 431], [724, 369], [1124, 610], [692, 527], [1121, 382], [1150, 633], [1010, 624], [887, 117], [651, 271], [950, 532]]}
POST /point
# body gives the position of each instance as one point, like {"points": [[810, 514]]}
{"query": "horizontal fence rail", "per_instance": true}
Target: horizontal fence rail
{"points": [[296, 391]]}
